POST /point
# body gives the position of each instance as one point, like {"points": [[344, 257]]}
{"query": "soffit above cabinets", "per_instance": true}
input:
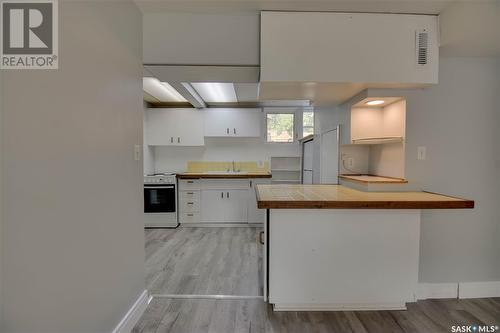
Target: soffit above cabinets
{"points": [[340, 54], [245, 6], [242, 79]]}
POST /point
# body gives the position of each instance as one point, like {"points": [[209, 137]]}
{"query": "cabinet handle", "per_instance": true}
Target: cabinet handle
{"points": [[234, 130], [251, 183], [227, 130], [171, 139], [178, 140], [189, 214], [227, 194], [190, 193], [261, 237], [190, 203], [190, 182], [222, 195]]}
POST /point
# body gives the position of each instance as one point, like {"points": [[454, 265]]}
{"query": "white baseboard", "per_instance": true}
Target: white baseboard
{"points": [[133, 314], [219, 225], [437, 290], [339, 307], [479, 289]]}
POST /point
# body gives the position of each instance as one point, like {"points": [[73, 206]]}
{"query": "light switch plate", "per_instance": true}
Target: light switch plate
{"points": [[137, 152], [421, 153]]}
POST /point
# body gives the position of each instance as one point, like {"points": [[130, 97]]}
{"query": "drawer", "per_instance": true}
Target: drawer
{"points": [[189, 217], [189, 195], [189, 206], [189, 184], [216, 184]]}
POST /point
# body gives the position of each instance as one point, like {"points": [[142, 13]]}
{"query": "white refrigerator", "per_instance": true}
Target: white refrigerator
{"points": [[307, 162]]}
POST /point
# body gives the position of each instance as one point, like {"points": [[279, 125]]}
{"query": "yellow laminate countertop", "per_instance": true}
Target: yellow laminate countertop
{"points": [[223, 175], [373, 179], [339, 197]]}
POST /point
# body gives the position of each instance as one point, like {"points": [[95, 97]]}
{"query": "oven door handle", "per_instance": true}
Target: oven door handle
{"points": [[156, 187]]}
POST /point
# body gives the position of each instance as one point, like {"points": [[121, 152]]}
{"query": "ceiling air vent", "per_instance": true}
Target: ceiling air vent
{"points": [[422, 47]]}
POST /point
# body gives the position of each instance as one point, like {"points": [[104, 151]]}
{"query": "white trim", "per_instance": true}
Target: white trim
{"points": [[479, 289], [219, 225], [437, 290], [339, 307], [133, 314]]}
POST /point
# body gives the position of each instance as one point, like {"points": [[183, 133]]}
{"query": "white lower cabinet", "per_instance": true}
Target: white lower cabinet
{"points": [[224, 206], [213, 205], [236, 206], [219, 201], [255, 215]]}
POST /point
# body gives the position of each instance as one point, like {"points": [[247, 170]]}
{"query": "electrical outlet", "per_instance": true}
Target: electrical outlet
{"points": [[421, 153], [350, 162]]}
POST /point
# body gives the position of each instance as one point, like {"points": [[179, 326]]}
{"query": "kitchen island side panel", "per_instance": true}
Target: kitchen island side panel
{"points": [[331, 259]]}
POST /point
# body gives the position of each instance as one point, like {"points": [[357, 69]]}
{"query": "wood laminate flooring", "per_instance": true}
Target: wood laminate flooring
{"points": [[221, 316], [204, 261], [226, 261]]}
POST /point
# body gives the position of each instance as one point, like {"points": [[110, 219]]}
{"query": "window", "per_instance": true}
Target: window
{"points": [[307, 123], [280, 127]]}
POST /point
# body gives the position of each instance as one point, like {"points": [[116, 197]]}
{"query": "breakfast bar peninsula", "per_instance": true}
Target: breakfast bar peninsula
{"points": [[331, 247]]}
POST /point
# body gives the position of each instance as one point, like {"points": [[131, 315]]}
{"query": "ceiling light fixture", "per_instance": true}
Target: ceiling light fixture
{"points": [[375, 102], [215, 92], [162, 91]]}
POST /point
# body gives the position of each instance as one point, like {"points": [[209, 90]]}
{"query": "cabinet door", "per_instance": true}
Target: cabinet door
{"points": [[213, 206], [246, 123], [159, 127], [218, 122], [232, 122], [236, 206], [255, 215], [189, 128], [174, 127]]}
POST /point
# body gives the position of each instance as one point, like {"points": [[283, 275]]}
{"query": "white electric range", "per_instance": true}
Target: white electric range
{"points": [[160, 200]]}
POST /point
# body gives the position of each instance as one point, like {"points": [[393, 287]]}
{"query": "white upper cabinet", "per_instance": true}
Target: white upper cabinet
{"points": [[230, 122], [174, 127]]}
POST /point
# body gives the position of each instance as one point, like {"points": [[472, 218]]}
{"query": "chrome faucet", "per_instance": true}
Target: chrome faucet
{"points": [[234, 168]]}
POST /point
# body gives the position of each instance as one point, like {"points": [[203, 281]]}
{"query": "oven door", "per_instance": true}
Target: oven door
{"points": [[159, 199]]}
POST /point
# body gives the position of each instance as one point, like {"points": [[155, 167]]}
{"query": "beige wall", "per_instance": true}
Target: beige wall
{"points": [[458, 121], [73, 236], [202, 38]]}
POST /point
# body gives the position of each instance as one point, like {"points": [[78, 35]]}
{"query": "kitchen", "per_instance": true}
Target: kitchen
{"points": [[264, 156], [241, 166]]}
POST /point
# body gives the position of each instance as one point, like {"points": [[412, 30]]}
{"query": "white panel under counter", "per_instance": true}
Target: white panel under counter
{"points": [[343, 259]]}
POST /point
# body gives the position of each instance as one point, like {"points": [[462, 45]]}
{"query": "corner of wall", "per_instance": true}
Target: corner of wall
{"points": [[1, 210]]}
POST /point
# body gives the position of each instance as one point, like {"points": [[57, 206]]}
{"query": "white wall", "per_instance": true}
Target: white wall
{"points": [[147, 151], [458, 121], [222, 149], [72, 223], [387, 160], [201, 39]]}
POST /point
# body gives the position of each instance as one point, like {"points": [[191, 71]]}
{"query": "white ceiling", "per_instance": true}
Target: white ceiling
{"points": [[227, 6]]}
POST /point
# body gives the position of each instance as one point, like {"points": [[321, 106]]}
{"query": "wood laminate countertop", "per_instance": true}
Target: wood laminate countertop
{"points": [[372, 179], [219, 175], [339, 197]]}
